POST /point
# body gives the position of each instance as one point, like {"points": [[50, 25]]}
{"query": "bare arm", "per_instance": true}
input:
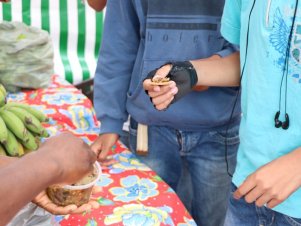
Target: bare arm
{"points": [[223, 72], [22, 180], [5, 161], [98, 5]]}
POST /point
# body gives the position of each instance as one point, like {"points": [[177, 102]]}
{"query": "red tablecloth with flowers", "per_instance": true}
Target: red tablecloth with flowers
{"points": [[131, 194]]}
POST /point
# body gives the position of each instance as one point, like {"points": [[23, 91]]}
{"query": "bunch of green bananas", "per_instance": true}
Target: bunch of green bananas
{"points": [[20, 128]]}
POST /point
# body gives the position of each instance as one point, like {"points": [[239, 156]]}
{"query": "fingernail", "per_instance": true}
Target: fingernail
{"points": [[236, 195], [172, 85], [174, 90]]}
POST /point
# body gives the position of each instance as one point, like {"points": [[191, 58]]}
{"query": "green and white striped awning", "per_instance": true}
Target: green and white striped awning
{"points": [[75, 29]]}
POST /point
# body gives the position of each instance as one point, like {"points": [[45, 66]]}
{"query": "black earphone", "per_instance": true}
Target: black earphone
{"points": [[286, 123]]}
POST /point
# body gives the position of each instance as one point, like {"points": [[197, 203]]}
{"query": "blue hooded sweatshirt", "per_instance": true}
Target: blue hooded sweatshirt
{"points": [[141, 35]]}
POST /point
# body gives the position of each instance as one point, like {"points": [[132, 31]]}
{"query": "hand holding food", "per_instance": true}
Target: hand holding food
{"points": [[182, 73], [67, 149]]}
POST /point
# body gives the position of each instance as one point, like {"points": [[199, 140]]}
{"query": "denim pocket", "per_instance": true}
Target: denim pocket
{"points": [[293, 221], [232, 135]]}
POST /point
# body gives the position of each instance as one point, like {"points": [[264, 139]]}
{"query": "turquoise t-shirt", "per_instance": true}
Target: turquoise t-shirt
{"points": [[261, 142]]}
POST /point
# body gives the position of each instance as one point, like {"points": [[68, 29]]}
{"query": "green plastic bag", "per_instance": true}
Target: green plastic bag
{"points": [[26, 56]]}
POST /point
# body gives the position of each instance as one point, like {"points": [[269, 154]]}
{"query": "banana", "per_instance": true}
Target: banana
{"points": [[3, 90], [12, 145], [38, 114], [20, 149], [3, 131], [2, 99], [2, 151], [26, 151], [29, 120], [44, 133], [14, 124], [31, 144]]}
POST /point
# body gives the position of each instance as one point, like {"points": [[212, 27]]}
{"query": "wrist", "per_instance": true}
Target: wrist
{"points": [[50, 167], [187, 66], [296, 156]]}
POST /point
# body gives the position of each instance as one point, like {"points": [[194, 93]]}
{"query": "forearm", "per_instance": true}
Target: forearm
{"points": [[22, 180], [5, 161], [98, 5], [222, 72], [296, 160]]}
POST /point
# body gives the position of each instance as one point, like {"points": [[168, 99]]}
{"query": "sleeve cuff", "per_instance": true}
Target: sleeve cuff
{"points": [[230, 33], [226, 52], [108, 125]]}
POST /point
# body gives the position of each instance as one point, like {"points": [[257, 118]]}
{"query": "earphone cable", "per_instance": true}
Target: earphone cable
{"points": [[287, 56], [238, 92]]}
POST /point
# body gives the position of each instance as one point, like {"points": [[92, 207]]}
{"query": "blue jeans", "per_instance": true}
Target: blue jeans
{"points": [[201, 157], [242, 213]]}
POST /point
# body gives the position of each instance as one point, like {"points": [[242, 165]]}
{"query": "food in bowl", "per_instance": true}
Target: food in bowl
{"points": [[78, 193]]}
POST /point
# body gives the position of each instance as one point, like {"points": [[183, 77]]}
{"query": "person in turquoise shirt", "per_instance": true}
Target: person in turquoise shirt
{"points": [[267, 180]]}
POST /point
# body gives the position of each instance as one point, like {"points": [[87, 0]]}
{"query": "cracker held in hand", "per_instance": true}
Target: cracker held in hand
{"points": [[160, 81]]}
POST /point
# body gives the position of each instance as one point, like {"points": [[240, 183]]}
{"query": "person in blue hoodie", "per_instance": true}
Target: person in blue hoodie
{"points": [[189, 136], [266, 187]]}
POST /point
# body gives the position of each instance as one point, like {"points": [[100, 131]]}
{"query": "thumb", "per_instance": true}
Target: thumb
{"points": [[104, 152], [147, 85], [163, 71], [96, 146]]}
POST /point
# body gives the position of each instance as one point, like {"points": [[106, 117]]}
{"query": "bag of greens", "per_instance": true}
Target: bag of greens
{"points": [[26, 56]]}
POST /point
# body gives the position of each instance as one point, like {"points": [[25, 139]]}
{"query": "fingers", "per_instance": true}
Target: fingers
{"points": [[100, 150], [104, 144], [96, 146], [160, 73], [83, 208], [165, 98], [162, 99], [43, 201], [244, 188], [256, 193], [149, 87], [164, 105], [274, 202], [262, 200], [253, 195], [92, 204], [163, 89], [96, 189], [163, 71], [108, 161], [103, 154], [59, 210]]}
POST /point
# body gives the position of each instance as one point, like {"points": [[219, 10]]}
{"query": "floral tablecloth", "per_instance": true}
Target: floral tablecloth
{"points": [[131, 194]]}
